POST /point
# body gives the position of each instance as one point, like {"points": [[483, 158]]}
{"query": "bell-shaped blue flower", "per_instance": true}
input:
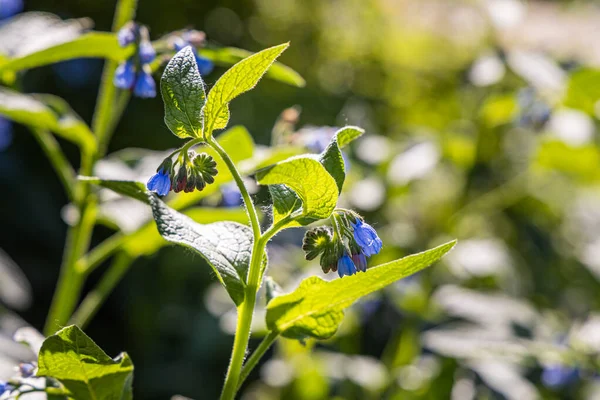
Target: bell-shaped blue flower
{"points": [[345, 266], [147, 52], [366, 238], [126, 34], [125, 75], [145, 86], [205, 66], [160, 182], [360, 261]]}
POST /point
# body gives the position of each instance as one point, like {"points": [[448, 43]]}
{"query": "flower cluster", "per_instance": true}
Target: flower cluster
{"points": [[346, 249], [135, 74], [195, 39], [194, 172]]}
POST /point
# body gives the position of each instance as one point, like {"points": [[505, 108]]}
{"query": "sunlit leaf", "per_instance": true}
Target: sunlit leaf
{"points": [[316, 307], [46, 112], [226, 246], [226, 56], [182, 91], [332, 158], [309, 180], [91, 45], [86, 371], [240, 78]]}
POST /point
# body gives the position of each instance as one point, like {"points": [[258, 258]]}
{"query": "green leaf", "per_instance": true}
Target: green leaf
{"points": [[46, 111], [135, 190], [226, 56], [182, 91], [332, 158], [583, 91], [147, 240], [240, 78], [309, 179], [71, 357], [226, 246], [285, 202], [90, 45], [316, 307]]}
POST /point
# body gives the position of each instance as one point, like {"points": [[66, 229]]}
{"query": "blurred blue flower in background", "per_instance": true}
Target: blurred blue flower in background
{"points": [[8, 8], [145, 87], [6, 133], [125, 75], [142, 83], [557, 375], [232, 197]]}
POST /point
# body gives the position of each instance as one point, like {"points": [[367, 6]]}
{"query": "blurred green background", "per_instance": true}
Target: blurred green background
{"points": [[481, 120]]}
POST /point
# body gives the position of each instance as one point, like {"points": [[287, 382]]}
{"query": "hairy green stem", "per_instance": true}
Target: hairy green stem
{"points": [[257, 355], [71, 278], [94, 299], [246, 309], [100, 253], [65, 172]]}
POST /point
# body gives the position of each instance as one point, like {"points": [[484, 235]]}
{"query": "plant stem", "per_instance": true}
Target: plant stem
{"points": [[65, 172], [257, 355], [71, 277], [246, 309], [100, 253], [104, 122], [94, 299]]}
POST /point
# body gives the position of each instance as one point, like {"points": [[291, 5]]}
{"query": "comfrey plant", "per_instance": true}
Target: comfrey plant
{"points": [[304, 190]]}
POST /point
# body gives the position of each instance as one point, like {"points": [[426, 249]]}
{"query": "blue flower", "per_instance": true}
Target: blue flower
{"points": [[360, 261], [345, 266], [556, 376], [26, 369], [366, 238], [205, 66], [126, 34], [6, 133], [125, 75], [145, 86], [147, 52], [8, 8], [160, 182], [232, 197]]}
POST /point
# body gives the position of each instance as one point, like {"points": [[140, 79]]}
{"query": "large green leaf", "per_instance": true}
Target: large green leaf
{"points": [[332, 158], [46, 112], [240, 78], [309, 180], [182, 91], [316, 307], [86, 371], [226, 246], [90, 45], [226, 56], [147, 240]]}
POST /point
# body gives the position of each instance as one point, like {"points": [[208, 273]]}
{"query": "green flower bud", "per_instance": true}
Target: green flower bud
{"points": [[206, 167], [316, 241]]}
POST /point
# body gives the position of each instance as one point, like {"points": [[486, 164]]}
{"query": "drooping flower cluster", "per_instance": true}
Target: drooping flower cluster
{"points": [[346, 249], [135, 74], [190, 172], [195, 39]]}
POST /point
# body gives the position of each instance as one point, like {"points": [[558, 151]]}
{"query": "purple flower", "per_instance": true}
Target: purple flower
{"points": [[126, 34], [345, 266], [6, 133], [147, 52], [366, 238], [145, 86], [8, 8], [205, 66], [26, 369], [160, 182], [125, 75], [360, 261]]}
